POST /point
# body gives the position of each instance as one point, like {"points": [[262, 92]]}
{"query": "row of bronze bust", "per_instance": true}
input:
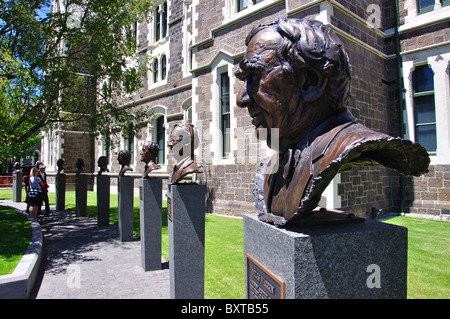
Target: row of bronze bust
{"points": [[184, 156], [296, 76]]}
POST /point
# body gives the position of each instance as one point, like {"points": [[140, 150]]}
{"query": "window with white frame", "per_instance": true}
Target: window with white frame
{"points": [[161, 139], [224, 102], [424, 6], [159, 69], [160, 22], [155, 70], [129, 145], [244, 4], [163, 67], [187, 111], [424, 107]]}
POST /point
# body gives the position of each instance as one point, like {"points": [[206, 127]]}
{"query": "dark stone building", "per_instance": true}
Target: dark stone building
{"points": [[196, 46]]}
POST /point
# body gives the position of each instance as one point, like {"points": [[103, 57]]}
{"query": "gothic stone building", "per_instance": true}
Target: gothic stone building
{"points": [[400, 54]]}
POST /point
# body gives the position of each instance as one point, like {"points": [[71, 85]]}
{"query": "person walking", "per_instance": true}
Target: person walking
{"points": [[43, 176], [35, 191]]}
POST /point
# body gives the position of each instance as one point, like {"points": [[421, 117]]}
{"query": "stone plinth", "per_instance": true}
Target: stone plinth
{"points": [[186, 223], [60, 187], [359, 260], [81, 195], [103, 199], [125, 192], [150, 195], [17, 187]]}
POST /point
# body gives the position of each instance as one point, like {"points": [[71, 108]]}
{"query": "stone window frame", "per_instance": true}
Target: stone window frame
{"points": [[231, 8], [415, 19], [225, 115], [417, 95], [156, 113], [437, 5], [160, 29], [439, 61], [222, 64], [161, 78]]}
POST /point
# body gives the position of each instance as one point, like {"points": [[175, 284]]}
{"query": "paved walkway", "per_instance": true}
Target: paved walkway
{"points": [[83, 260]]}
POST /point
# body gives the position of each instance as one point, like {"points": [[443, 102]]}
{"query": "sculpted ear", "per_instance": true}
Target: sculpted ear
{"points": [[314, 85]]}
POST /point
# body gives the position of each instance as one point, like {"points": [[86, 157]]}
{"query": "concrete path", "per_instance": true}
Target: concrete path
{"points": [[83, 260]]}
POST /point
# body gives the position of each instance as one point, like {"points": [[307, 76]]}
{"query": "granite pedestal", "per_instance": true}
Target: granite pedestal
{"points": [[81, 195], [358, 260], [150, 195], [125, 192], [186, 224], [17, 187], [60, 186], [103, 198]]}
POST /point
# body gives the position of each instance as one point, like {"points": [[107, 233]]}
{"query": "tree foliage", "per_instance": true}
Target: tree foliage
{"points": [[75, 62]]}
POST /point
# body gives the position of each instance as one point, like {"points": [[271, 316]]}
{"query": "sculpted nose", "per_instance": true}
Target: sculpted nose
{"points": [[243, 99]]}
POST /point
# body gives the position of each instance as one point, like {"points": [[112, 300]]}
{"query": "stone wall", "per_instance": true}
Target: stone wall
{"points": [[430, 193]]}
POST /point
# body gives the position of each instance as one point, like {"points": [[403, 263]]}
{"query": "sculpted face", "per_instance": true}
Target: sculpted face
{"points": [[146, 155], [267, 92]]}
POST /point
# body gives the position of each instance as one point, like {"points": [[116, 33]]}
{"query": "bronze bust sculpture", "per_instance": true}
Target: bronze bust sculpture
{"points": [[60, 165], [16, 167], [124, 159], [102, 163], [296, 78], [148, 156], [79, 164], [185, 160]]}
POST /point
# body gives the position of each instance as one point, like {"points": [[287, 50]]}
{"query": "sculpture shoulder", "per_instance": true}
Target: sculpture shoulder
{"points": [[357, 145], [183, 168]]}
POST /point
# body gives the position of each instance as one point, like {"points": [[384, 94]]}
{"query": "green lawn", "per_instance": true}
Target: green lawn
{"points": [[428, 251], [15, 237], [428, 257]]}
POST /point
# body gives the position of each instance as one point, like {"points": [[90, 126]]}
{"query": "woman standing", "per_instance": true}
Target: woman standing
{"points": [[36, 186]]}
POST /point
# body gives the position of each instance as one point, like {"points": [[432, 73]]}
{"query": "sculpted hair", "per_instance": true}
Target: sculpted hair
{"points": [[310, 44], [125, 155], [153, 148]]}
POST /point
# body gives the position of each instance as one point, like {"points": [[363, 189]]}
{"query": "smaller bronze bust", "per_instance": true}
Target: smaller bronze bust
{"points": [[148, 156], [102, 163], [60, 165], [183, 138], [79, 165], [16, 167], [124, 159]]}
